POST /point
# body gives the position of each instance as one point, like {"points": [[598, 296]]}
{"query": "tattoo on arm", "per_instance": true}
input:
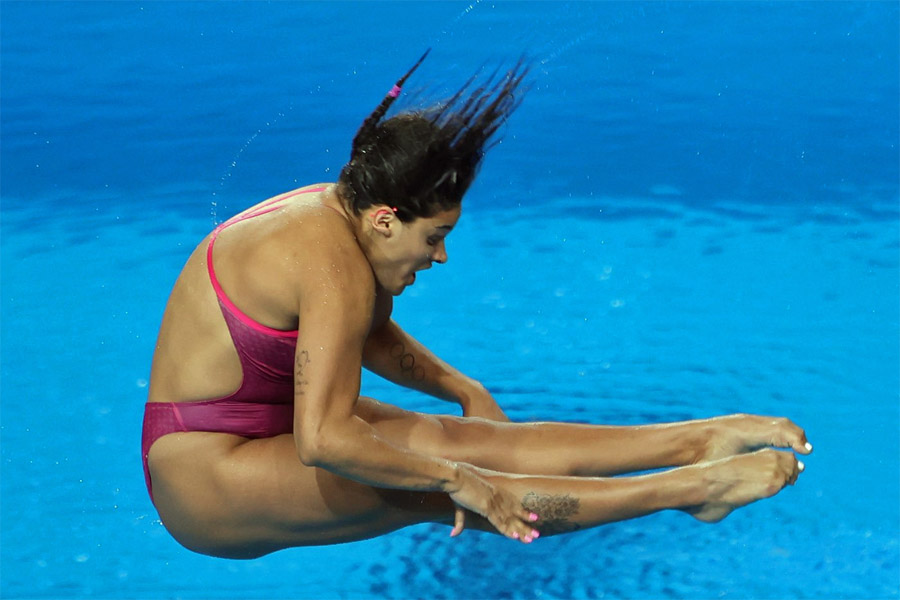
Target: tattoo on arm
{"points": [[554, 512], [407, 362], [300, 362]]}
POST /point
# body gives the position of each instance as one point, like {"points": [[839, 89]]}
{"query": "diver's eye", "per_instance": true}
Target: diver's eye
{"points": [[431, 241]]}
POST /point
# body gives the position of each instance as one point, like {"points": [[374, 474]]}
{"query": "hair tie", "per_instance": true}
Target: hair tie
{"points": [[395, 91]]}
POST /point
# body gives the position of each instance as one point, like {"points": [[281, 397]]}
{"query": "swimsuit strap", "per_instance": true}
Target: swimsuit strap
{"points": [[266, 207]]}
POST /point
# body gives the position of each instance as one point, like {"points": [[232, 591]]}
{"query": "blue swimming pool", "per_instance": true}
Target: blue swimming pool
{"points": [[694, 212]]}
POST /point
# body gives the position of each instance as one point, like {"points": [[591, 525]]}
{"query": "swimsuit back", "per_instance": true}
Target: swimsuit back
{"points": [[266, 354], [263, 405]]}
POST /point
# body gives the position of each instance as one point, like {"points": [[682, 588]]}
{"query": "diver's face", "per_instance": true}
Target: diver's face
{"points": [[406, 248]]}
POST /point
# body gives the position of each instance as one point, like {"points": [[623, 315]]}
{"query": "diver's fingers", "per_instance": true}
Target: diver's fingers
{"points": [[459, 521]]}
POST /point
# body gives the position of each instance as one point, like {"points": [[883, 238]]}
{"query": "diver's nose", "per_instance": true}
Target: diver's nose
{"points": [[440, 253]]}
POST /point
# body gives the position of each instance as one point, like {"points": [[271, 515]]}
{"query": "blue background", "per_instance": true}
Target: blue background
{"points": [[694, 212]]}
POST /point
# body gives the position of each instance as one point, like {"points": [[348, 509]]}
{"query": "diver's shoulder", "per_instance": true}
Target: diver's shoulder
{"points": [[319, 234]]}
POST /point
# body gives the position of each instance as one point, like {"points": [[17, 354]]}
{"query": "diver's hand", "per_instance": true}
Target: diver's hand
{"points": [[502, 508], [481, 404]]}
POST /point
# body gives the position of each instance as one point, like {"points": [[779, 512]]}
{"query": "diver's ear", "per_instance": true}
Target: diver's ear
{"points": [[384, 220]]}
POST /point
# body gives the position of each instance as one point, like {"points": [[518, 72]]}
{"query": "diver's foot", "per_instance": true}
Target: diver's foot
{"points": [[739, 480], [739, 434]]}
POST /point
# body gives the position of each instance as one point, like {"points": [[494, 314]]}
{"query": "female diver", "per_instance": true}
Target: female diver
{"points": [[256, 438]]}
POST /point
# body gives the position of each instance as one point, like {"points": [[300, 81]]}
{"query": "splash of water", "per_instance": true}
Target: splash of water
{"points": [[214, 203], [449, 29]]}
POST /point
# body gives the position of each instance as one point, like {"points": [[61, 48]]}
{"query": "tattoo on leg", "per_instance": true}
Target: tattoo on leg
{"points": [[300, 362], [407, 362], [554, 512]]}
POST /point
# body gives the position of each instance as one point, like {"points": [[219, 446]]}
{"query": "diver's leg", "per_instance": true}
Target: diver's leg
{"points": [[231, 497], [581, 450], [709, 491], [227, 496]]}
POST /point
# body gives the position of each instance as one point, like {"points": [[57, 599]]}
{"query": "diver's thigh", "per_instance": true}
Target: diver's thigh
{"points": [[465, 439], [421, 432], [246, 498]]}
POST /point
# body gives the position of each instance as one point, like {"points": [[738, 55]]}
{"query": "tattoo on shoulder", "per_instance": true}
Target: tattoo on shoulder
{"points": [[407, 362], [555, 511], [300, 362]]}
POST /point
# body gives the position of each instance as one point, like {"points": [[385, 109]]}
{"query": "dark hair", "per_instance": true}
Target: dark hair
{"points": [[422, 161]]}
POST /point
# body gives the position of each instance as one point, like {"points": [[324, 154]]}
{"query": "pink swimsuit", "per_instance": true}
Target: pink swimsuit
{"points": [[263, 406]]}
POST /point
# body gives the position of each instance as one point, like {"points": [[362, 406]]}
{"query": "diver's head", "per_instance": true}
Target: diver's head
{"points": [[408, 174], [397, 250], [422, 162]]}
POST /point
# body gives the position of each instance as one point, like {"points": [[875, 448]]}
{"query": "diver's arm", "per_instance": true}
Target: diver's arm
{"points": [[336, 301], [398, 357], [336, 304]]}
